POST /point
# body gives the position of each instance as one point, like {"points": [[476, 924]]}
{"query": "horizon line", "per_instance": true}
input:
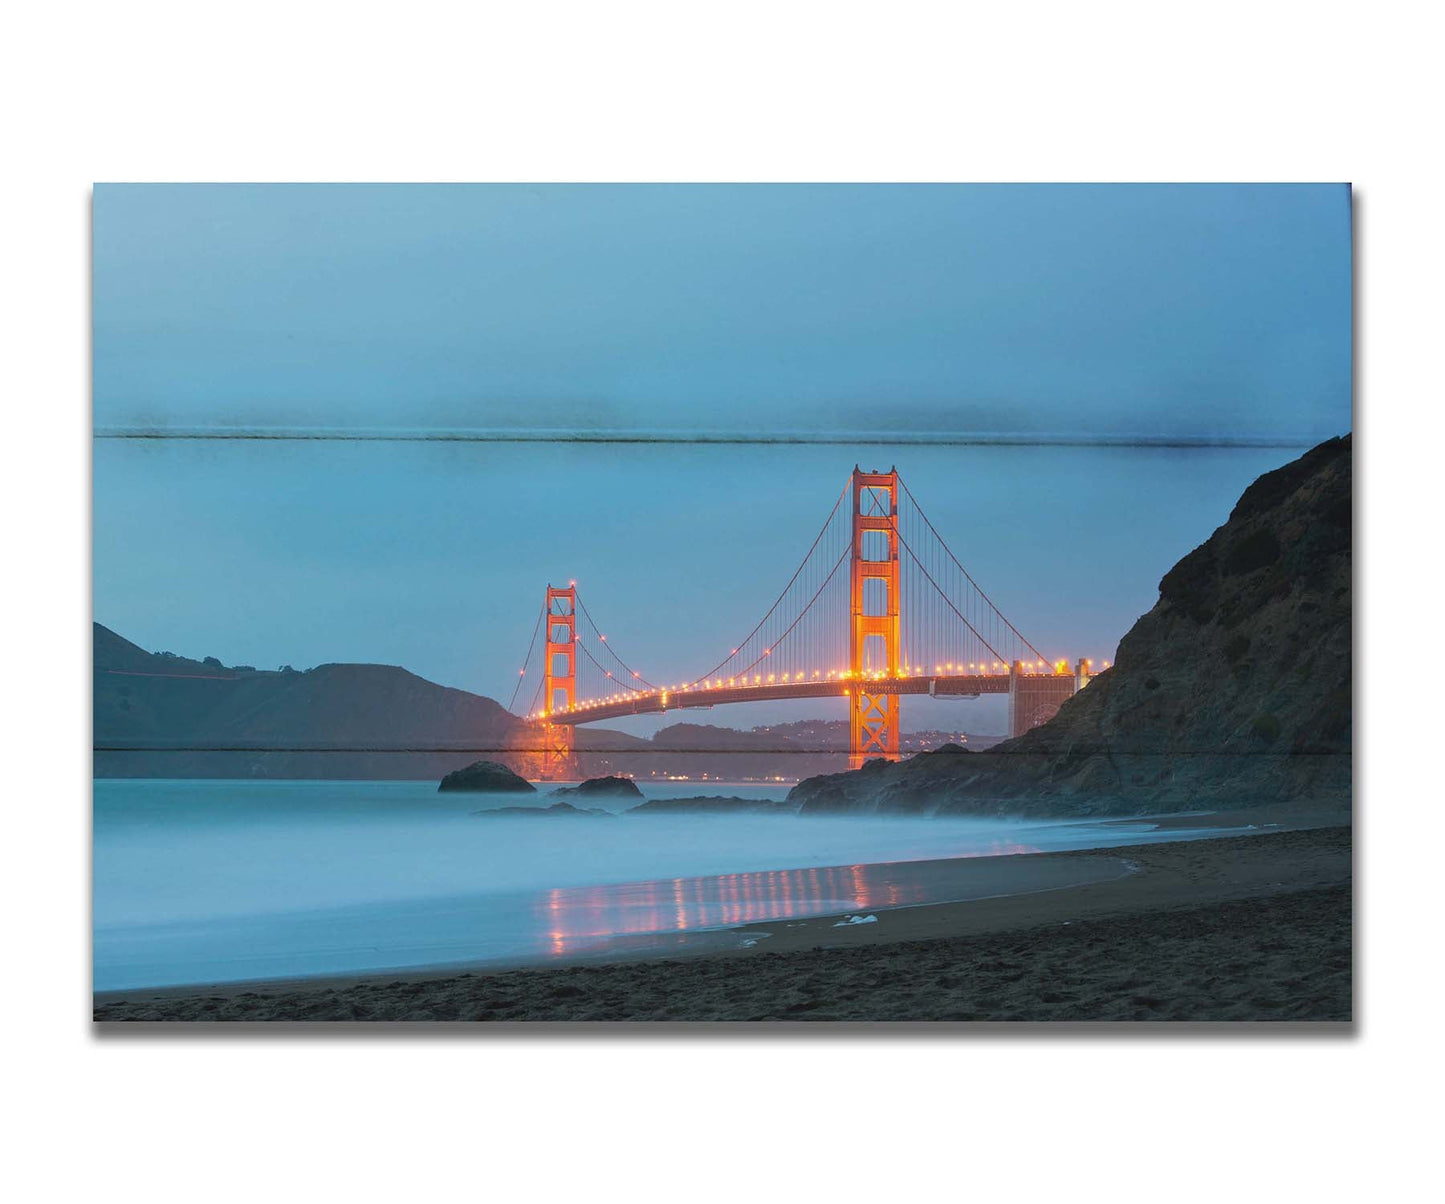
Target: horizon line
{"points": [[616, 435]]}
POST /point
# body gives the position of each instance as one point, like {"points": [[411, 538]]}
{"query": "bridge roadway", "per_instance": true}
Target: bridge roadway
{"points": [[968, 685]]}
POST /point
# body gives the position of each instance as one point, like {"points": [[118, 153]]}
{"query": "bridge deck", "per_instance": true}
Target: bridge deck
{"points": [[955, 686]]}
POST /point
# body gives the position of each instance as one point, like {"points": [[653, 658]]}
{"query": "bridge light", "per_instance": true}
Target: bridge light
{"points": [[770, 677], [603, 638], [767, 652]]}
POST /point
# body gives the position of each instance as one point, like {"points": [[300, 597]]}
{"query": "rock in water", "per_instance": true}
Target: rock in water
{"points": [[487, 777], [713, 805], [613, 787], [564, 810]]}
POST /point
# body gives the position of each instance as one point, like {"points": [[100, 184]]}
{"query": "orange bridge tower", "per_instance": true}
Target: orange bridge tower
{"points": [[559, 682], [874, 618]]}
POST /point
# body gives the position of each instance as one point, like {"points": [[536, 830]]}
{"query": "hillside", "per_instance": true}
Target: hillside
{"points": [[160, 715], [727, 754], [1235, 689]]}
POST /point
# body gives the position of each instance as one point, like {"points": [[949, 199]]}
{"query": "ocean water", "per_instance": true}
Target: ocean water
{"points": [[222, 881]]}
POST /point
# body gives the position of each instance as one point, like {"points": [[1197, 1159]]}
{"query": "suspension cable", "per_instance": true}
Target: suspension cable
{"points": [[582, 606], [527, 660], [921, 514], [827, 522], [949, 603], [801, 614], [582, 648]]}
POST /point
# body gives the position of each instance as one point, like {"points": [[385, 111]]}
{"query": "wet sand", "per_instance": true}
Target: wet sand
{"points": [[1253, 927]]}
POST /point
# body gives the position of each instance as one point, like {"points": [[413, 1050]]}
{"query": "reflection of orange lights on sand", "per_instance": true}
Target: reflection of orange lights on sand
{"points": [[581, 917], [557, 937]]}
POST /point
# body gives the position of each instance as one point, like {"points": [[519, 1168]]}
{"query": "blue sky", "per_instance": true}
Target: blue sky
{"points": [[1211, 312]]}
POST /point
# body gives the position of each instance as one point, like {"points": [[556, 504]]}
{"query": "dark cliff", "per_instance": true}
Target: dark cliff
{"points": [[1234, 690]]}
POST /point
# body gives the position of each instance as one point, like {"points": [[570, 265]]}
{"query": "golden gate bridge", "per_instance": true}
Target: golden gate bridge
{"points": [[878, 608]]}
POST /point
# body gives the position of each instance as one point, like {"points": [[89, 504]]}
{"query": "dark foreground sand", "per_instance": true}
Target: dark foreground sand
{"points": [[1253, 927]]}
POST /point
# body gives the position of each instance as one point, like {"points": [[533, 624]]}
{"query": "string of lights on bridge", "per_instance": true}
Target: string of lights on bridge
{"points": [[906, 672], [947, 628]]}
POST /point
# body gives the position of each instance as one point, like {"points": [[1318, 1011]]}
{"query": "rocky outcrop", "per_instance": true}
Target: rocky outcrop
{"points": [[876, 787], [599, 788], [486, 777], [1234, 690], [555, 811], [713, 805]]}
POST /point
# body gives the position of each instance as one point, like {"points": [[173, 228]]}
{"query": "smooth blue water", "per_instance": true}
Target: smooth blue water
{"points": [[213, 881]]}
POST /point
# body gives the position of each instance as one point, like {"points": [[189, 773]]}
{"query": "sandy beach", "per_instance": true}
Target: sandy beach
{"points": [[1252, 927]]}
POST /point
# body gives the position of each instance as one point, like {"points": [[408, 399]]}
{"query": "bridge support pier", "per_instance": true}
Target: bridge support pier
{"points": [[873, 715], [559, 683], [1035, 698]]}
